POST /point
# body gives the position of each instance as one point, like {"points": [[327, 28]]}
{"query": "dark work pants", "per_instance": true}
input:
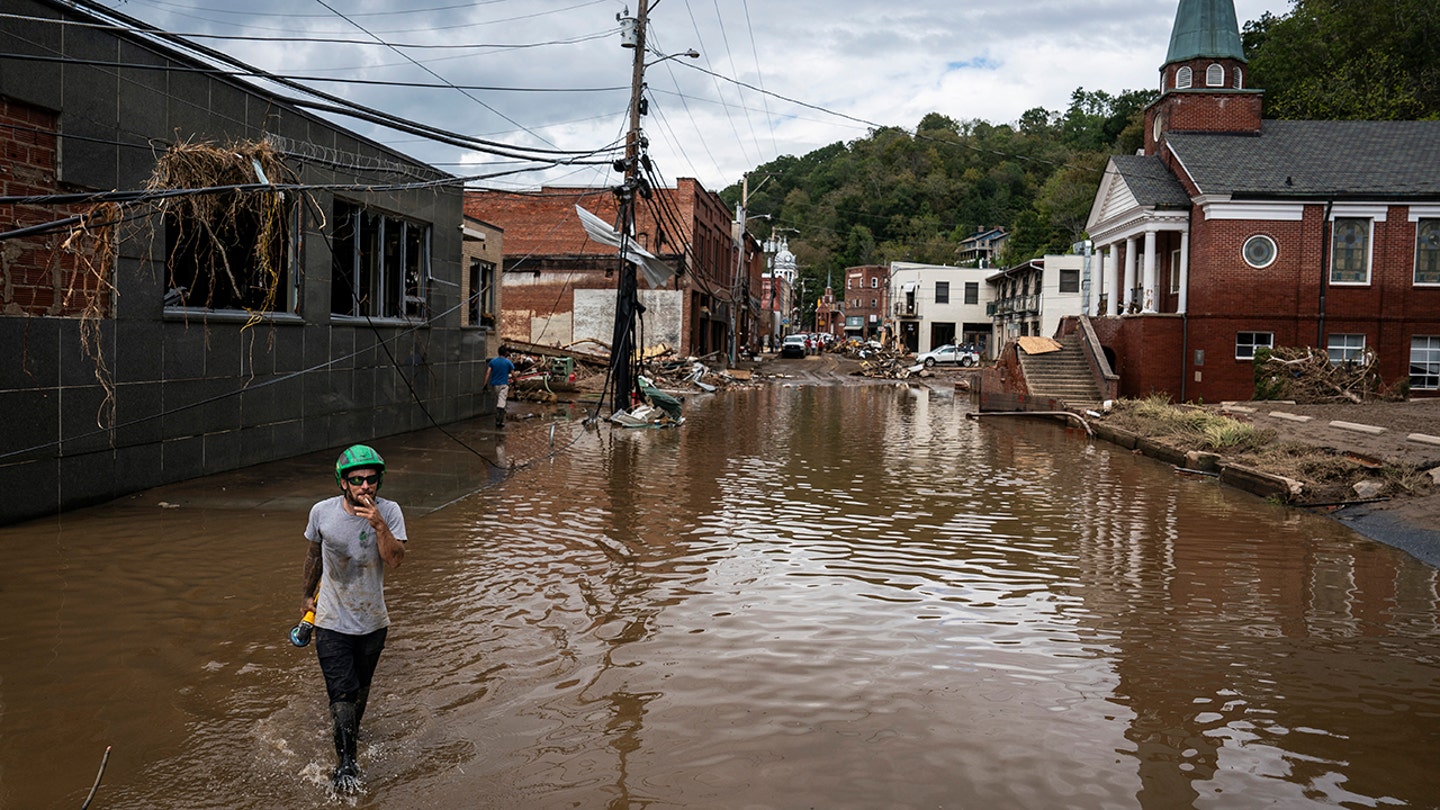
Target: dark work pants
{"points": [[348, 662]]}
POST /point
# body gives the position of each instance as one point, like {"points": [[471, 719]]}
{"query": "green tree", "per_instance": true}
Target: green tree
{"points": [[1340, 59]]}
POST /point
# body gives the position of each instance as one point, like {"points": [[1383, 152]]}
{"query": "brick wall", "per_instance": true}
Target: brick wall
{"points": [[549, 256], [37, 276]]}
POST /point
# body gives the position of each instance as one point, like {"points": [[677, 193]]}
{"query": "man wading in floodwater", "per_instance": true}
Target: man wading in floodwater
{"points": [[497, 373], [353, 536]]}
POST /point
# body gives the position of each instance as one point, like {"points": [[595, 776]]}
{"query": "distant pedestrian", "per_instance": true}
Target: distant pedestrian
{"points": [[497, 373], [353, 537]]}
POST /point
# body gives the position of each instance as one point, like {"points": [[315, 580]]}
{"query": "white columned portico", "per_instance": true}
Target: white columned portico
{"points": [[1129, 297], [1148, 300], [1184, 301]]}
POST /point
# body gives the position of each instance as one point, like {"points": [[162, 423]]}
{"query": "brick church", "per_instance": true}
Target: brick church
{"points": [[1229, 233]]}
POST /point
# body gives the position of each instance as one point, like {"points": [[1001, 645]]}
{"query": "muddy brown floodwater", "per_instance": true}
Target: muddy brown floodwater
{"points": [[808, 596]]}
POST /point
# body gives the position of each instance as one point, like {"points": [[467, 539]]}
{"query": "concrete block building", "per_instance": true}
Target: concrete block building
{"points": [[317, 305]]}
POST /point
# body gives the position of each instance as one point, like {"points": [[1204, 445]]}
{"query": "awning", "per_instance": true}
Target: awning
{"points": [[910, 286], [655, 271]]}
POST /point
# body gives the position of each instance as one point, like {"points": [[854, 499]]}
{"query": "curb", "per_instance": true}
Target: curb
{"points": [[1256, 482]]}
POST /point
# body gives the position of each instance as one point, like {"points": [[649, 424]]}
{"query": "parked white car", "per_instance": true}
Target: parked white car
{"points": [[951, 354]]}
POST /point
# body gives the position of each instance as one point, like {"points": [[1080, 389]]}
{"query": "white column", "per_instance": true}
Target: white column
{"points": [[1148, 302], [1184, 272], [1097, 273], [1112, 280], [1129, 296]]}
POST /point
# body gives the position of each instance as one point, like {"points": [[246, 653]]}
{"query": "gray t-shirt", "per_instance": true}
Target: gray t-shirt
{"points": [[352, 584]]}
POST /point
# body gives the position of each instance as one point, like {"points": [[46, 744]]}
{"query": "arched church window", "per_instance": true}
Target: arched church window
{"points": [[1239, 78], [1182, 78], [1215, 76]]}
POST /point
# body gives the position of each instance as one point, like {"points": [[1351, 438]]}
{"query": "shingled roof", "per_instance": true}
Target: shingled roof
{"points": [[1387, 160], [1150, 181]]}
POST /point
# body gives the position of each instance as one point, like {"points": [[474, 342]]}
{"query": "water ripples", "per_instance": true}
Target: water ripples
{"points": [[806, 596]]}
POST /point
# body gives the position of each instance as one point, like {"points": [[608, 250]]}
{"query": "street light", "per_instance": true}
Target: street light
{"points": [[690, 54]]}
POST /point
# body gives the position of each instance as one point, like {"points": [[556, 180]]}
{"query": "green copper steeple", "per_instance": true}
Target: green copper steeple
{"points": [[1205, 28]]}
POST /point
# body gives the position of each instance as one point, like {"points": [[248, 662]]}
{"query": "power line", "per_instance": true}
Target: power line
{"points": [[340, 105], [427, 69], [495, 46], [211, 71], [426, 29]]}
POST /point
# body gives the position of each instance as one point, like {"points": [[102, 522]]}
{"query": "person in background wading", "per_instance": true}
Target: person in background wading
{"points": [[497, 373], [353, 537]]}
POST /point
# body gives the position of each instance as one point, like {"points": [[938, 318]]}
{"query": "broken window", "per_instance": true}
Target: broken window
{"points": [[382, 264], [480, 301], [237, 258]]}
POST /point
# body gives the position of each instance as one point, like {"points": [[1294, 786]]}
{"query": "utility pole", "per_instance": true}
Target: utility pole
{"points": [[740, 269], [622, 347]]}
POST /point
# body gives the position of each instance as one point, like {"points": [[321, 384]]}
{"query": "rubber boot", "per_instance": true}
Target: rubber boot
{"points": [[360, 700], [499, 417], [347, 772]]}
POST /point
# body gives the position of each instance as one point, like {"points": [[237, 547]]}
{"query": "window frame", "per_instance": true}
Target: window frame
{"points": [[1259, 238], [180, 297], [1184, 78], [481, 292], [1252, 344], [1215, 75], [1429, 363], [381, 249], [1431, 270], [1349, 345], [1069, 280], [1367, 225], [942, 292]]}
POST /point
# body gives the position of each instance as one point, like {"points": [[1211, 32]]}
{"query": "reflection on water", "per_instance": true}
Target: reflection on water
{"points": [[806, 596]]}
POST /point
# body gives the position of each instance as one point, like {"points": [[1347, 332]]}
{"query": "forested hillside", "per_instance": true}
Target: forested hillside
{"points": [[913, 195]]}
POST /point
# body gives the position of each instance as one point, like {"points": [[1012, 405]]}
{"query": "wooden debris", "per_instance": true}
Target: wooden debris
{"points": [[1308, 376]]}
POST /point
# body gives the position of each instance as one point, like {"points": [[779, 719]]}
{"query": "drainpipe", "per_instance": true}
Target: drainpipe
{"points": [[1324, 273], [1185, 326]]}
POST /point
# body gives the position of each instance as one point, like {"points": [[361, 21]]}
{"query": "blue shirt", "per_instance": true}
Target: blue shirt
{"points": [[500, 368]]}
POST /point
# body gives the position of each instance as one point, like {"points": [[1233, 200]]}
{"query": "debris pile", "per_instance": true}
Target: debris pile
{"points": [[882, 363], [1308, 376], [549, 374]]}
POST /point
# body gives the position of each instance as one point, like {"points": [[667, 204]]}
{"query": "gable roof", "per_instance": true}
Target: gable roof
{"points": [[1316, 159], [1150, 181], [1133, 184]]}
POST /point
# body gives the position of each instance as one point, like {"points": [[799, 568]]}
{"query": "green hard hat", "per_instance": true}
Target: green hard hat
{"points": [[355, 457]]}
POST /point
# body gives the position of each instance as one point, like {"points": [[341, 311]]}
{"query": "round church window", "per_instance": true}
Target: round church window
{"points": [[1259, 251]]}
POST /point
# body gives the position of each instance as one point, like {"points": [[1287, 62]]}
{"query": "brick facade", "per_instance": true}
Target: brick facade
{"points": [[866, 297], [1186, 345], [558, 282]]}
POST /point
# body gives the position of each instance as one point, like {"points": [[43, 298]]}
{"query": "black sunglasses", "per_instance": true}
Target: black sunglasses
{"points": [[361, 480]]}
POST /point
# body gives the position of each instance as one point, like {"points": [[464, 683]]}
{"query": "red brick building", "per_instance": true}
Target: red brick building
{"points": [[866, 292], [1230, 233], [559, 285]]}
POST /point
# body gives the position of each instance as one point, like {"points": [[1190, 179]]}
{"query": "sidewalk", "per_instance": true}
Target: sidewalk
{"points": [[1396, 433]]}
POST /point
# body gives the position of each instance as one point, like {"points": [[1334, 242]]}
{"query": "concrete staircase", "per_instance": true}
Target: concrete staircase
{"points": [[1063, 375]]}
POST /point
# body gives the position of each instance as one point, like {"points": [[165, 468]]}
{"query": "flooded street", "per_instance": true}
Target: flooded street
{"points": [[807, 596]]}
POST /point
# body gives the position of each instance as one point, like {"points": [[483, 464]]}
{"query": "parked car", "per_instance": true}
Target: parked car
{"points": [[950, 353], [795, 346]]}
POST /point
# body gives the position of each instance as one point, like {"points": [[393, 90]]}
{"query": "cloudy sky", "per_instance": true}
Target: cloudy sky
{"points": [[773, 78]]}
